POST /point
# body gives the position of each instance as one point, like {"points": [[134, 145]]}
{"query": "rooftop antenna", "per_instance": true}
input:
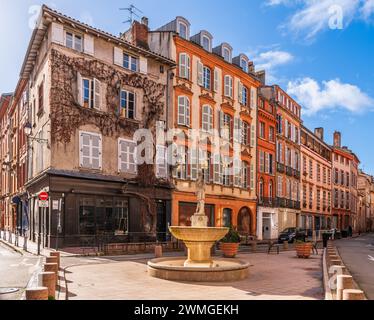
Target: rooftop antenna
{"points": [[132, 12]]}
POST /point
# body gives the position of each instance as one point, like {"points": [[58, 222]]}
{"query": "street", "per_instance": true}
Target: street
{"points": [[358, 257], [15, 271]]}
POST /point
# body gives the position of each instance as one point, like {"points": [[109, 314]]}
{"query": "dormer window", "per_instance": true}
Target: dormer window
{"points": [[206, 43], [183, 30], [244, 64], [227, 54]]}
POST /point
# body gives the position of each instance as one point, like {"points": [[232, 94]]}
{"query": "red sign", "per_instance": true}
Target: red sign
{"points": [[43, 196]]}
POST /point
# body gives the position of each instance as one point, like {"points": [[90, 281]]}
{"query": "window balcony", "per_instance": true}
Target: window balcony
{"points": [[289, 171], [296, 173], [268, 202], [280, 167]]}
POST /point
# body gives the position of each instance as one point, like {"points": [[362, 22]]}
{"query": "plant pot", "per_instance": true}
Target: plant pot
{"points": [[303, 250], [229, 250]]}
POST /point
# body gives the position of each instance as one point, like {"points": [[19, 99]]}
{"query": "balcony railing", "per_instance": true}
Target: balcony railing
{"points": [[289, 171], [296, 173], [268, 202], [280, 167], [287, 203]]}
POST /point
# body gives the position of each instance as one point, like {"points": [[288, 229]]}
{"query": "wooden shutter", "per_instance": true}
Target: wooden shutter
{"points": [[97, 94], [240, 92], [188, 112], [253, 98], [96, 151], [182, 65], [143, 65], [252, 177], [181, 111], [216, 80], [199, 73], [88, 44], [118, 57], [161, 166], [80, 89], [253, 136], [57, 33]]}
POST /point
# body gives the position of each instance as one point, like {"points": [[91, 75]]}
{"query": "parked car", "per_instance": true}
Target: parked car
{"points": [[291, 235]]}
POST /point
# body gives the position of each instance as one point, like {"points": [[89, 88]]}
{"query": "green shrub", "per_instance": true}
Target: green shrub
{"points": [[232, 236]]}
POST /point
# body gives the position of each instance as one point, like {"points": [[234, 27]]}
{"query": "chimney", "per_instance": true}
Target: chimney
{"points": [[262, 76], [139, 33], [337, 139], [319, 132]]}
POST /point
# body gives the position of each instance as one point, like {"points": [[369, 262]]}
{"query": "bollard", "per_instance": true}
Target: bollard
{"points": [[58, 255], [51, 260], [49, 281], [40, 293], [339, 269], [343, 282], [254, 247], [285, 245], [352, 294], [336, 262], [51, 267], [158, 251]]}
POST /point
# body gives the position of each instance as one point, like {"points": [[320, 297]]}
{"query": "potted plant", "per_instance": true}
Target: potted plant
{"points": [[303, 249], [230, 243]]}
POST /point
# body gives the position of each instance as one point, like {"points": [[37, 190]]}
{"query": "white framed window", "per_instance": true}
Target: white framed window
{"points": [[90, 150], [206, 78], [128, 104], [227, 54], [244, 95], [184, 111], [244, 173], [74, 41], [181, 171], [161, 162], [228, 86], [207, 119], [130, 62], [193, 161], [244, 133], [244, 64], [89, 91], [217, 169], [127, 156], [183, 30], [206, 43], [184, 66], [225, 125]]}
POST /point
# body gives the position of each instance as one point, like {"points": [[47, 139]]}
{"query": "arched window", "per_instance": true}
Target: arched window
{"points": [[184, 111], [244, 64], [206, 43], [184, 66], [227, 218], [207, 119], [227, 54], [183, 30]]}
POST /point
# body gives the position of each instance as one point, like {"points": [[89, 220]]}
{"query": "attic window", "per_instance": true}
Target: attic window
{"points": [[227, 54], [244, 64], [206, 43], [183, 30]]}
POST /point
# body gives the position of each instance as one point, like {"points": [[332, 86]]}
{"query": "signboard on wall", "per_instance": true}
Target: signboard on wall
{"points": [[43, 204]]}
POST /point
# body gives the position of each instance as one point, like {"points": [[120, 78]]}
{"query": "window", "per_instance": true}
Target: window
{"points": [[183, 30], [262, 130], [91, 93], [183, 111], [206, 43], [161, 163], [245, 133], [90, 146], [130, 62], [181, 170], [207, 119], [310, 169], [336, 176], [318, 172], [226, 126], [74, 41], [206, 157], [206, 78], [261, 190], [262, 161], [280, 187], [193, 161], [244, 65], [228, 86], [184, 66], [271, 134], [244, 96], [217, 169], [324, 175], [271, 164], [128, 104], [347, 179], [41, 98], [279, 124], [271, 190], [245, 170], [226, 174], [216, 80], [127, 156], [227, 54]]}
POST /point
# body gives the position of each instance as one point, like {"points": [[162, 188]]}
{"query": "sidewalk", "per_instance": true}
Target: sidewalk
{"points": [[272, 277]]}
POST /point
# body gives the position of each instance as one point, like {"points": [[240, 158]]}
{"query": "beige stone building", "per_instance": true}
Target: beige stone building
{"points": [[365, 193]]}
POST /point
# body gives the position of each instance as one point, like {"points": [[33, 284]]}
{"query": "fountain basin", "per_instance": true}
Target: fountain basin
{"points": [[221, 270], [199, 242]]}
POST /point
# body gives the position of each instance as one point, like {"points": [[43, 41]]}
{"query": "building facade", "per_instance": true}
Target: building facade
{"points": [[214, 97], [316, 168], [365, 186], [88, 95], [267, 211], [345, 191]]}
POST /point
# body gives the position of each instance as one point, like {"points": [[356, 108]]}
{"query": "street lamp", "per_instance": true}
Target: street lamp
{"points": [[28, 131]]}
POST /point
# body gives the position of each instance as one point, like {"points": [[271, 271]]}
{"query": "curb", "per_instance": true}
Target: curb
{"points": [[11, 246], [328, 291]]}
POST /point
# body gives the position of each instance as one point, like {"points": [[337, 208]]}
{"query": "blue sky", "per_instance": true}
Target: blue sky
{"points": [[320, 51]]}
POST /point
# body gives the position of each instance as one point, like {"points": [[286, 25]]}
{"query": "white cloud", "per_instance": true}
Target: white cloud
{"points": [[329, 95], [272, 59], [314, 16]]}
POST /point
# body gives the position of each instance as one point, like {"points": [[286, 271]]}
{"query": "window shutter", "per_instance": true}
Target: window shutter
{"points": [[231, 87], [217, 169], [267, 163], [252, 177], [226, 93], [188, 112], [88, 44], [253, 98], [95, 152], [286, 128], [181, 111], [97, 94], [143, 65], [84, 150], [161, 168], [182, 65], [216, 80], [253, 136], [199, 73], [236, 130], [118, 56], [221, 123], [57, 33], [80, 89], [240, 92]]}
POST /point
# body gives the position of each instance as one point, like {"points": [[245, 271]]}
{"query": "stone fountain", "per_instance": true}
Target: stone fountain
{"points": [[199, 240]]}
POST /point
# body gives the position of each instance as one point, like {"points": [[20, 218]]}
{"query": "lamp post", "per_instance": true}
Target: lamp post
{"points": [[30, 138]]}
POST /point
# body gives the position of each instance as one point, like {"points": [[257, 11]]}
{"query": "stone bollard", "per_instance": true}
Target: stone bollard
{"points": [[51, 260], [352, 294], [40, 293], [158, 252], [343, 282], [340, 270], [49, 281], [51, 267], [58, 255], [336, 262], [285, 245], [254, 246]]}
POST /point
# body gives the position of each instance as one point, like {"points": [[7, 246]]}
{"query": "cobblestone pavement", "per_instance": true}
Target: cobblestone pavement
{"points": [[272, 277]]}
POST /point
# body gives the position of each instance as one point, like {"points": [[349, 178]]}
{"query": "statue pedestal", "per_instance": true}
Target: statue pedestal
{"points": [[199, 221]]}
